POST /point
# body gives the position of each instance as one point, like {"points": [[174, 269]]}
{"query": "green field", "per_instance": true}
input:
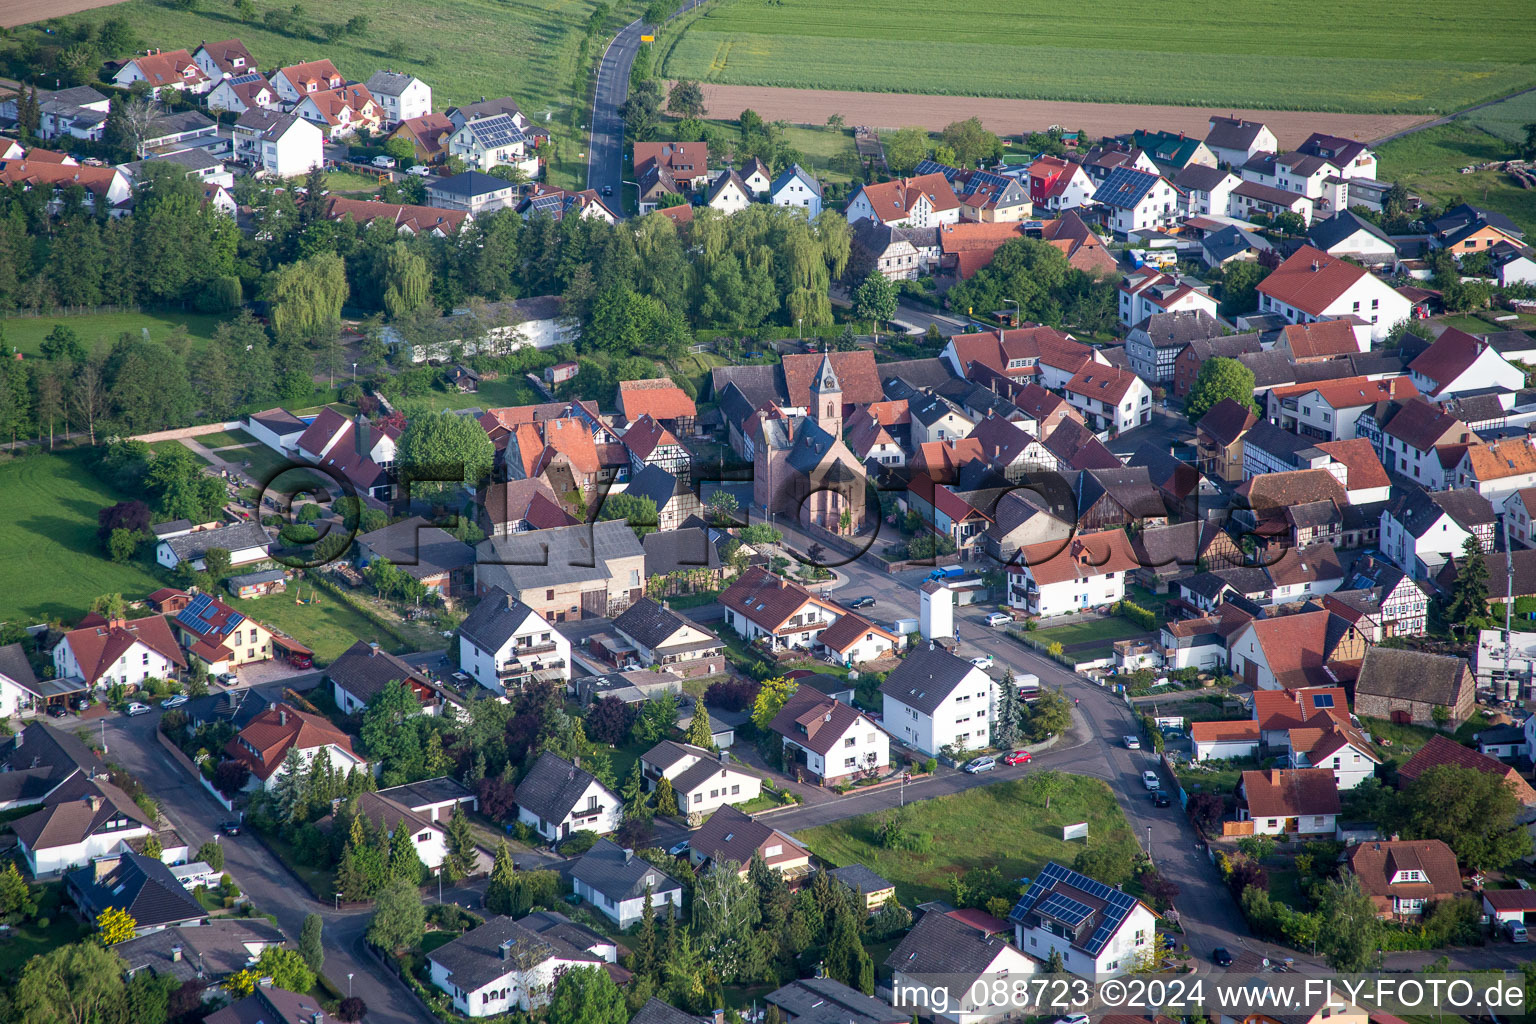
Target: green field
{"points": [[1428, 163], [224, 439], [51, 568], [327, 628], [1420, 57], [1003, 825], [1507, 119], [25, 334]]}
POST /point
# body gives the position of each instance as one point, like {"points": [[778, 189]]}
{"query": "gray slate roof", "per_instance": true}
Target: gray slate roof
{"points": [[495, 619], [860, 879], [142, 886], [825, 1001], [686, 548], [553, 786], [620, 875], [427, 792], [474, 959], [1411, 675], [648, 623], [1325, 234], [417, 549], [548, 558], [471, 183], [926, 677], [657, 1012], [232, 538], [940, 945], [216, 949], [364, 670]]}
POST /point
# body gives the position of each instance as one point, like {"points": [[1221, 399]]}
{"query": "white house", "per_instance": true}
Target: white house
{"points": [[702, 780], [1193, 643], [617, 882], [665, 640], [728, 193], [126, 651], [1338, 748], [429, 837], [283, 145], [1347, 233], [798, 189], [504, 966], [1497, 471], [935, 700], [760, 604], [1097, 929], [853, 640], [924, 201], [557, 798], [1422, 530], [225, 59], [503, 643], [755, 173], [485, 142], [1147, 291], [950, 964], [1137, 200], [1354, 159], [1205, 190], [246, 542], [263, 745], [1055, 577], [1224, 741], [81, 820], [833, 740], [298, 80], [1109, 398], [242, 93], [1312, 285], [400, 96], [1296, 801], [1513, 265], [1458, 362], [19, 690], [1233, 141], [163, 69]]}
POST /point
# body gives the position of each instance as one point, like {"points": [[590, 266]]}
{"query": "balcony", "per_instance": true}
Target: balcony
{"points": [[543, 648]]}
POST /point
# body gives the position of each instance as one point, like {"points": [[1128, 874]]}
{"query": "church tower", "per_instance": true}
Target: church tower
{"points": [[827, 399]]}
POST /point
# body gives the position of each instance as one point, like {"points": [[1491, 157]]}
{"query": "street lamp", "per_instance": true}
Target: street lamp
{"points": [[349, 986], [1018, 311], [1149, 842], [798, 321], [103, 735], [354, 373]]}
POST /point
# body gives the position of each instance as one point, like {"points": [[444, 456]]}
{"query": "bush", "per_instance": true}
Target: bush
{"points": [[351, 1010], [1137, 614]]}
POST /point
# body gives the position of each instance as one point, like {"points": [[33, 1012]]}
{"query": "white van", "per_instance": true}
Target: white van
{"points": [[386, 162], [420, 170]]}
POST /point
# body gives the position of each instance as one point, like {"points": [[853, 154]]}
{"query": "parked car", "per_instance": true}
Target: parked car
{"points": [[999, 619], [1221, 957], [1160, 798], [679, 849], [1149, 779], [867, 601], [386, 162], [231, 827], [136, 708], [982, 661], [58, 711], [1072, 1018], [607, 190], [80, 703], [174, 702], [420, 170], [1018, 757], [980, 764], [1132, 742]]}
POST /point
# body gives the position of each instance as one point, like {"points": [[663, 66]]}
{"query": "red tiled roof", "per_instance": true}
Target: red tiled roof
{"points": [[890, 414], [849, 630], [1275, 710], [96, 648], [1290, 792], [168, 67], [1351, 392], [645, 435], [1359, 458], [893, 200], [1376, 864], [766, 599], [1512, 457], [428, 132], [1224, 732], [659, 397], [1447, 357], [322, 73], [1104, 383], [1311, 280], [572, 439], [415, 218], [1295, 647], [1295, 487], [1442, 750], [1083, 557], [32, 172], [277, 729], [1320, 340], [856, 373], [942, 460]]}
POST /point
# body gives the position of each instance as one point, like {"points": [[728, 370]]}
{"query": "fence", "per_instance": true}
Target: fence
{"points": [[186, 762], [37, 312]]}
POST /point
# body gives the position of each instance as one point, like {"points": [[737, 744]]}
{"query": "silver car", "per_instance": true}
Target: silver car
{"points": [[981, 764]]}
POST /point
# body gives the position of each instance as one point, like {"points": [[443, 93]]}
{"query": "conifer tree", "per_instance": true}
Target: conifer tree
{"points": [[352, 882], [501, 893], [666, 800], [404, 862], [461, 845], [642, 954], [699, 733]]}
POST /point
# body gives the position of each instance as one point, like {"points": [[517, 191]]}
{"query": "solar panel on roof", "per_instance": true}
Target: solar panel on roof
{"points": [[496, 131], [1322, 700], [1065, 908]]}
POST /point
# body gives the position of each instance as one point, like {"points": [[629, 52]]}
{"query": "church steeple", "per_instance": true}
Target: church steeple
{"points": [[827, 398]]}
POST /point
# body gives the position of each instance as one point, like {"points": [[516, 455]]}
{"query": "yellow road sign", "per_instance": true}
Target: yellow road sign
{"points": [[647, 39]]}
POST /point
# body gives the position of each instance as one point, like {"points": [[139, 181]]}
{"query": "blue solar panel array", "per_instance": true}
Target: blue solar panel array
{"points": [[926, 166], [495, 132], [196, 616], [1042, 896], [1322, 700], [1124, 187]]}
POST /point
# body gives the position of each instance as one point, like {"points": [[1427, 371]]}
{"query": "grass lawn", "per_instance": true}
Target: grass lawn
{"points": [[26, 333], [25, 941], [493, 394], [521, 48], [1092, 631], [160, 446], [327, 628], [1285, 887], [51, 568], [225, 439], [351, 181], [266, 463], [1004, 824], [1221, 780], [1429, 164], [1507, 119], [1177, 52]]}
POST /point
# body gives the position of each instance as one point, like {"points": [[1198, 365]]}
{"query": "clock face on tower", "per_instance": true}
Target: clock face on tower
{"points": [[827, 383]]}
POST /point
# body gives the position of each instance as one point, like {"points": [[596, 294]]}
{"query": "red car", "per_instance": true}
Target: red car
{"points": [[1017, 757]]}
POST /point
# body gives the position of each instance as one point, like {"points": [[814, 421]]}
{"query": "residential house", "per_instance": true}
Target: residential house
{"points": [[557, 798], [1283, 801], [295, 82], [205, 953], [617, 884], [428, 134], [504, 644], [896, 253], [1484, 233], [1147, 290], [731, 837], [1022, 355], [1056, 185], [1441, 750], [517, 506], [1513, 264], [118, 651], [80, 820], [1405, 876], [225, 59], [242, 93], [1025, 517], [472, 192], [268, 1004], [1410, 437], [218, 639], [1138, 201], [429, 836], [959, 961], [935, 419], [1231, 243], [651, 444], [760, 604], [686, 162], [825, 1001], [1422, 530], [400, 96], [1219, 440], [486, 142], [365, 670], [1223, 741], [833, 741], [404, 219], [1498, 471], [728, 193], [1519, 508], [1458, 362], [264, 744], [1204, 191], [1154, 345], [1057, 578], [934, 700], [163, 69], [1354, 159], [79, 113], [1118, 497], [1365, 479], [1312, 285], [1097, 929], [569, 572], [1109, 398], [105, 187], [1292, 651], [1234, 141], [142, 887], [1171, 151], [282, 145], [702, 780], [869, 888], [19, 688], [663, 638], [1415, 687], [661, 399], [1402, 602], [1010, 449], [430, 555], [1347, 233], [503, 966], [340, 113], [1328, 411], [757, 176], [1340, 748], [1251, 199], [1325, 339], [433, 799], [674, 499], [919, 202], [797, 189], [687, 560], [1277, 712]]}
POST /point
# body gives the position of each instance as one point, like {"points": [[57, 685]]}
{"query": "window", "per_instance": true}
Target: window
{"points": [[774, 850], [698, 798], [850, 741], [549, 595], [735, 790]]}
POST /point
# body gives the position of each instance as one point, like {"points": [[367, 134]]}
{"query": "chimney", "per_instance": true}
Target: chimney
{"points": [[1274, 776], [360, 434], [282, 716], [629, 855], [725, 758], [176, 954], [373, 649], [95, 801], [506, 950], [318, 1017], [265, 981], [717, 1016]]}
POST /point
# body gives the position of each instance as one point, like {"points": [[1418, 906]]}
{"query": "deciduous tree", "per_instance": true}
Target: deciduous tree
{"points": [[1219, 378]]}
